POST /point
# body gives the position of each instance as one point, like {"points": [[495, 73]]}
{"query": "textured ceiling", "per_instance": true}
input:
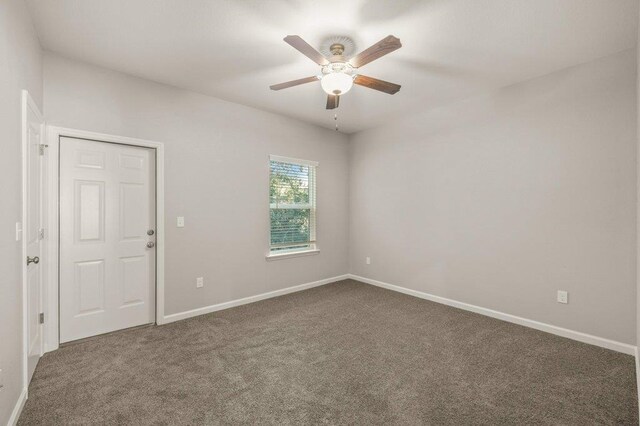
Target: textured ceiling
{"points": [[233, 49]]}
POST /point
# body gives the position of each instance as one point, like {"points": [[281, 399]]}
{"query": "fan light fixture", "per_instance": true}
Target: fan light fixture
{"points": [[336, 83], [339, 74]]}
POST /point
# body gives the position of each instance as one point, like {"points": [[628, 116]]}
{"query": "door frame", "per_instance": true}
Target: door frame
{"points": [[29, 104], [52, 306]]}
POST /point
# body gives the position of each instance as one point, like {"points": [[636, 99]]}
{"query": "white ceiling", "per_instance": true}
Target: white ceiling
{"points": [[233, 49]]}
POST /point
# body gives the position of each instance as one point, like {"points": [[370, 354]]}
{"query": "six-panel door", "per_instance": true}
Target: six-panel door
{"points": [[107, 210]]}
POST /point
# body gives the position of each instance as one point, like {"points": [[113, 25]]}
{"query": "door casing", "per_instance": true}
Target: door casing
{"points": [[53, 135]]}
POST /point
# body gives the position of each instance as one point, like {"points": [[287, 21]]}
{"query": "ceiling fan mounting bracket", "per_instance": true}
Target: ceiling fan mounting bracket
{"points": [[328, 44], [336, 49]]}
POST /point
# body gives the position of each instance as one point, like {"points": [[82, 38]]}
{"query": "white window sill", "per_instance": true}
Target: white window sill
{"points": [[289, 254]]}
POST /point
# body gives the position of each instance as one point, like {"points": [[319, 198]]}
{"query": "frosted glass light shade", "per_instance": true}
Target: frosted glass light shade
{"points": [[336, 83]]}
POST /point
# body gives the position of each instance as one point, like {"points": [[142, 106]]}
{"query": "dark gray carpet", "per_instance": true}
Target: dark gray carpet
{"points": [[344, 353]]}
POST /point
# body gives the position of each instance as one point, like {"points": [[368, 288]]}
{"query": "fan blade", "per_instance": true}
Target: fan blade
{"points": [[305, 48], [333, 101], [381, 48], [374, 83], [293, 83]]}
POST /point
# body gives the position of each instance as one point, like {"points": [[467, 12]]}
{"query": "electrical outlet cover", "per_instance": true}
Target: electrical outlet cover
{"points": [[563, 296]]}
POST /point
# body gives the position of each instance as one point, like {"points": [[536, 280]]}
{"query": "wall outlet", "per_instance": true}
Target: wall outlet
{"points": [[368, 260], [563, 296], [199, 282], [180, 222]]}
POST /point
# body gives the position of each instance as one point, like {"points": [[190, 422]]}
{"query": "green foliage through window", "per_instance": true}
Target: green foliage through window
{"points": [[292, 205]]}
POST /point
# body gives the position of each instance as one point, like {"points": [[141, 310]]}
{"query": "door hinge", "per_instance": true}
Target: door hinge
{"points": [[42, 233], [41, 317], [42, 147]]}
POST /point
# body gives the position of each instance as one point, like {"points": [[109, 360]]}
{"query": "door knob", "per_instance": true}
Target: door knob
{"points": [[150, 232], [31, 260], [150, 244]]}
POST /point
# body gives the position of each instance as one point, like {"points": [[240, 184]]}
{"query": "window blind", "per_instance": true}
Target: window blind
{"points": [[292, 202]]}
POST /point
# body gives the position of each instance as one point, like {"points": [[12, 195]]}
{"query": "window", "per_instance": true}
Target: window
{"points": [[292, 206]]}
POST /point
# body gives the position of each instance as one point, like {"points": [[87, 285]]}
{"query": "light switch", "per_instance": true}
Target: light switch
{"points": [[180, 221], [18, 231]]}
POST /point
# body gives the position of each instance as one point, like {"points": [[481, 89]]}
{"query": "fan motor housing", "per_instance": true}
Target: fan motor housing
{"points": [[339, 65]]}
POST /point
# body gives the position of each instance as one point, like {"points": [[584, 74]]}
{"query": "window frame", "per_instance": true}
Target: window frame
{"points": [[311, 247]]}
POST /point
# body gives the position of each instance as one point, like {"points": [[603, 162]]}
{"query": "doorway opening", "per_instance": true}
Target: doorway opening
{"points": [[106, 244]]}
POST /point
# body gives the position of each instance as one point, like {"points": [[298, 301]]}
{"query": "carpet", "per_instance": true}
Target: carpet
{"points": [[343, 353]]}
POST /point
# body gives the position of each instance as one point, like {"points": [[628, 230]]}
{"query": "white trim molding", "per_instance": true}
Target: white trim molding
{"points": [[52, 331], [299, 161], [246, 300], [17, 409], [285, 254], [637, 377], [559, 331]]}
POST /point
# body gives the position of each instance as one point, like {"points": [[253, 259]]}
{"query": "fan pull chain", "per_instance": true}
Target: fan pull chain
{"points": [[335, 118]]}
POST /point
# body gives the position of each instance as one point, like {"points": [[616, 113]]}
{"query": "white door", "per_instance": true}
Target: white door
{"points": [[33, 233], [107, 237]]}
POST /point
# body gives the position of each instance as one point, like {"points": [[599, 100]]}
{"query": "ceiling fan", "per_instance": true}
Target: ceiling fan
{"points": [[339, 74]]}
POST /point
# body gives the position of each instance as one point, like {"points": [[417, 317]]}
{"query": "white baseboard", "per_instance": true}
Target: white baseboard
{"points": [[564, 332], [638, 378], [233, 303], [15, 414]]}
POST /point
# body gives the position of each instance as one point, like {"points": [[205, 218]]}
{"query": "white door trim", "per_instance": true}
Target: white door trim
{"points": [[27, 103], [52, 316]]}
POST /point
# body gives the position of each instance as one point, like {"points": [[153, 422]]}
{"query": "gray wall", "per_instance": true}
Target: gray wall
{"points": [[501, 200], [497, 201], [20, 68], [216, 176]]}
